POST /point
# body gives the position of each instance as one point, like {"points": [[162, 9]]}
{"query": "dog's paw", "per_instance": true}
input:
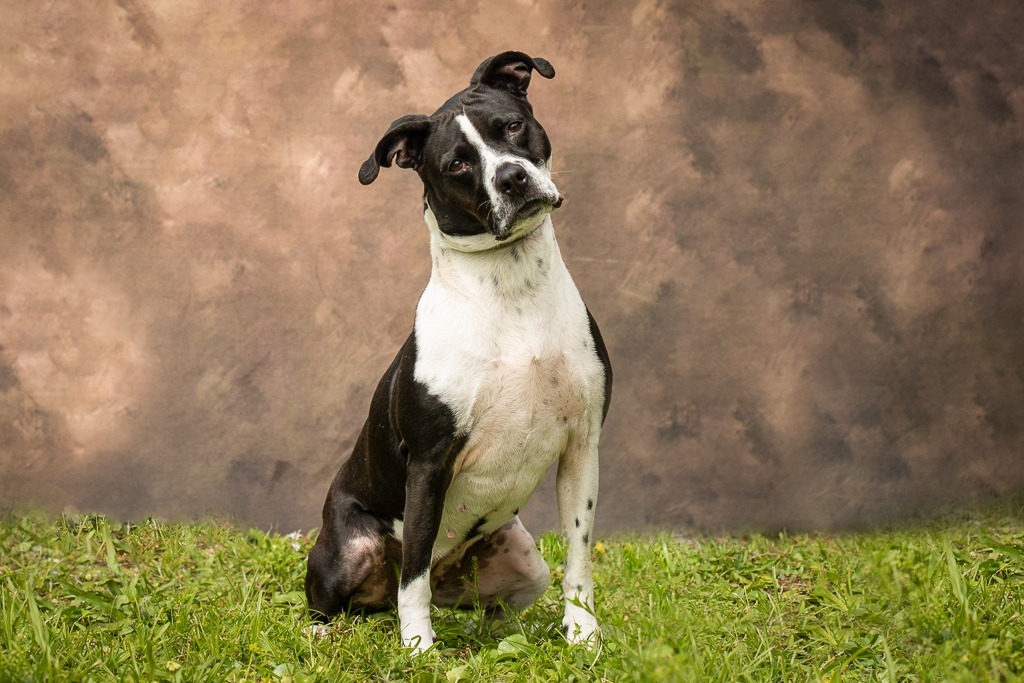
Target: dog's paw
{"points": [[418, 640], [580, 626], [417, 645]]}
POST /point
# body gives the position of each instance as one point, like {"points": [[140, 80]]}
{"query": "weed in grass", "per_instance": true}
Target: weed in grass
{"points": [[86, 599]]}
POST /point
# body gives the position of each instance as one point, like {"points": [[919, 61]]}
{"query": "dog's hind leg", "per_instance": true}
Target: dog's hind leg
{"points": [[502, 568], [353, 565]]}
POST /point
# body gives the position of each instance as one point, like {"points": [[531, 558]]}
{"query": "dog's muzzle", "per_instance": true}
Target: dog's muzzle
{"points": [[524, 214], [522, 198]]}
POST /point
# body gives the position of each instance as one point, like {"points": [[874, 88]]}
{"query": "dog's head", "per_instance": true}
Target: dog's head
{"points": [[483, 158]]}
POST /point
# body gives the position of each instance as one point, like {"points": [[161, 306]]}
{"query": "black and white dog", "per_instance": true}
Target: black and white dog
{"points": [[504, 374]]}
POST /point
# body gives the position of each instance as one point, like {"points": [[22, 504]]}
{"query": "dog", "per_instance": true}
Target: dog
{"points": [[504, 374]]}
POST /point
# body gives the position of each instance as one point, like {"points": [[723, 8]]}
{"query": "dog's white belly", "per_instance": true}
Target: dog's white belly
{"points": [[518, 368], [523, 418]]}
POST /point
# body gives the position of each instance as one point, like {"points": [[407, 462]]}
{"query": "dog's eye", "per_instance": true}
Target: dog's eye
{"points": [[457, 166], [515, 127]]}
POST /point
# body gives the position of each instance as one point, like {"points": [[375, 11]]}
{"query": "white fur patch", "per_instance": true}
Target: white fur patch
{"points": [[503, 339], [580, 624], [505, 342], [491, 159], [414, 614]]}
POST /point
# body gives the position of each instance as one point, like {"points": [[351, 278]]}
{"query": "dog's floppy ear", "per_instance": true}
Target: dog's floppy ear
{"points": [[511, 71], [403, 143]]}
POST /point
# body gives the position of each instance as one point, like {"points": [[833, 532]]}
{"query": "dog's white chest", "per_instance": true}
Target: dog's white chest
{"points": [[505, 342]]}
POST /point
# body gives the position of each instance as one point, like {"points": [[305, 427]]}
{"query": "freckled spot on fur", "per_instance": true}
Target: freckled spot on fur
{"points": [[577, 522], [515, 512], [494, 280], [586, 538], [590, 504]]}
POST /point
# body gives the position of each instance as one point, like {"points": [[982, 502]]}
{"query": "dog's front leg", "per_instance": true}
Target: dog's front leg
{"points": [[426, 485], [577, 498]]}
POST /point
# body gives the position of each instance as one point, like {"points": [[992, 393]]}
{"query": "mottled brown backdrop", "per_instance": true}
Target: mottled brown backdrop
{"points": [[799, 223]]}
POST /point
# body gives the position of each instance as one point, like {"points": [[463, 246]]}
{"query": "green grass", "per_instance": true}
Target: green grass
{"points": [[83, 598]]}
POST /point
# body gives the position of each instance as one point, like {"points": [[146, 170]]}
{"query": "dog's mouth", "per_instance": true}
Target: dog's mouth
{"points": [[521, 223], [535, 206]]}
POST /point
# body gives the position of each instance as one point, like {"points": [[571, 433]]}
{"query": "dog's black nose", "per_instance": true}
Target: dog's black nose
{"points": [[511, 179]]}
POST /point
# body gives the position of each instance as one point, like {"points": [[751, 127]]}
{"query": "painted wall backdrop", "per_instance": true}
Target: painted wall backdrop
{"points": [[799, 223]]}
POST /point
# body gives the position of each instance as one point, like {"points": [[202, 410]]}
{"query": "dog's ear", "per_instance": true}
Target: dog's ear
{"points": [[403, 143], [511, 71]]}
